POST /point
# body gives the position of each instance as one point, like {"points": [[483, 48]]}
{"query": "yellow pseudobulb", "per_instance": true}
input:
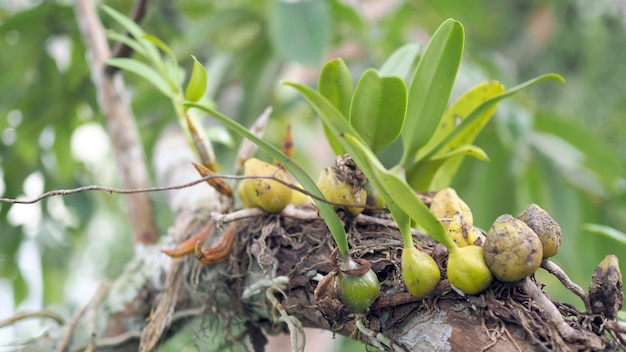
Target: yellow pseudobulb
{"points": [[267, 194], [340, 192]]}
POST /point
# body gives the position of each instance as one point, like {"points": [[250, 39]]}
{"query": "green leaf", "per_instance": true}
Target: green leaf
{"points": [[328, 213], [128, 24], [469, 122], [335, 83], [128, 41], [378, 108], [143, 70], [165, 68], [430, 87], [426, 176], [301, 30], [197, 82], [150, 51], [401, 62], [391, 188], [459, 110], [606, 231], [161, 45]]}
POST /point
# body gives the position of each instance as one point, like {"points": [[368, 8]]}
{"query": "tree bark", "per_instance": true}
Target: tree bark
{"points": [[268, 286], [121, 125]]}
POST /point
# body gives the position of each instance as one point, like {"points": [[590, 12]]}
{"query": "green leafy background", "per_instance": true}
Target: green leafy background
{"points": [[561, 146]]}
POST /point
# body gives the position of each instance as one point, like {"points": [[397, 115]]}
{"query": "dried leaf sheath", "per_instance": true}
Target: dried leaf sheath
{"points": [[220, 251], [219, 184], [189, 245]]}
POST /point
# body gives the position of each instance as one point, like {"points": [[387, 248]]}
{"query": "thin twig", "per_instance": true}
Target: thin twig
{"points": [[191, 312], [37, 314], [64, 192], [616, 325], [67, 336], [221, 219], [292, 211], [114, 340], [550, 310], [296, 330], [556, 270], [119, 339], [93, 314], [133, 334]]}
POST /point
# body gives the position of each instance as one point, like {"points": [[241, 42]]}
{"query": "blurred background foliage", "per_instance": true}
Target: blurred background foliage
{"points": [[560, 146]]}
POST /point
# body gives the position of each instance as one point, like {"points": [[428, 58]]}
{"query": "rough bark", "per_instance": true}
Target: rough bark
{"points": [[268, 283]]}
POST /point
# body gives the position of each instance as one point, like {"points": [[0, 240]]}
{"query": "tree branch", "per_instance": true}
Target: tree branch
{"points": [[120, 123], [270, 281]]}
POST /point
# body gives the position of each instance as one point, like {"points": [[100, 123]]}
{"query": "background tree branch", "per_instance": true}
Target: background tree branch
{"points": [[112, 98]]}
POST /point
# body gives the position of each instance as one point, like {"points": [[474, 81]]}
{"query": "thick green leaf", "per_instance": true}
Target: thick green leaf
{"points": [[378, 108], [301, 30], [197, 82], [335, 83], [401, 62], [431, 86], [328, 213], [391, 188], [458, 111], [426, 176], [143, 70], [478, 112]]}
